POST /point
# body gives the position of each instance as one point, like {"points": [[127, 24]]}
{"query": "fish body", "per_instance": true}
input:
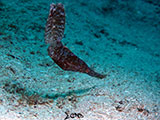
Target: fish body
{"points": [[59, 53]]}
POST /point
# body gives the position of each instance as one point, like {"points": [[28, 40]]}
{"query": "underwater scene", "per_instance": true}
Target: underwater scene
{"points": [[79, 59]]}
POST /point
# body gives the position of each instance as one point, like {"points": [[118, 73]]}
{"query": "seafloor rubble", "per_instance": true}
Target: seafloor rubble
{"points": [[115, 37]]}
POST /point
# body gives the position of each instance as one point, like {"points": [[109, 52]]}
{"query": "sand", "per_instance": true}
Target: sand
{"points": [[114, 37]]}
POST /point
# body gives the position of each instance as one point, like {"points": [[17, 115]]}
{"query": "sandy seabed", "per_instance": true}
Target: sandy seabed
{"points": [[118, 38]]}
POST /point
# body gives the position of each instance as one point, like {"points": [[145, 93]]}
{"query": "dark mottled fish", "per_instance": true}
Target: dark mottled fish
{"points": [[55, 24], [60, 54]]}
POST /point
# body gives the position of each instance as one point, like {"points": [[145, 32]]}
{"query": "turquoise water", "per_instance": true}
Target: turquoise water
{"points": [[117, 38]]}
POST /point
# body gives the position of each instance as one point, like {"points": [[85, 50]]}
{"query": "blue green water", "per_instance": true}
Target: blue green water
{"points": [[120, 38]]}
